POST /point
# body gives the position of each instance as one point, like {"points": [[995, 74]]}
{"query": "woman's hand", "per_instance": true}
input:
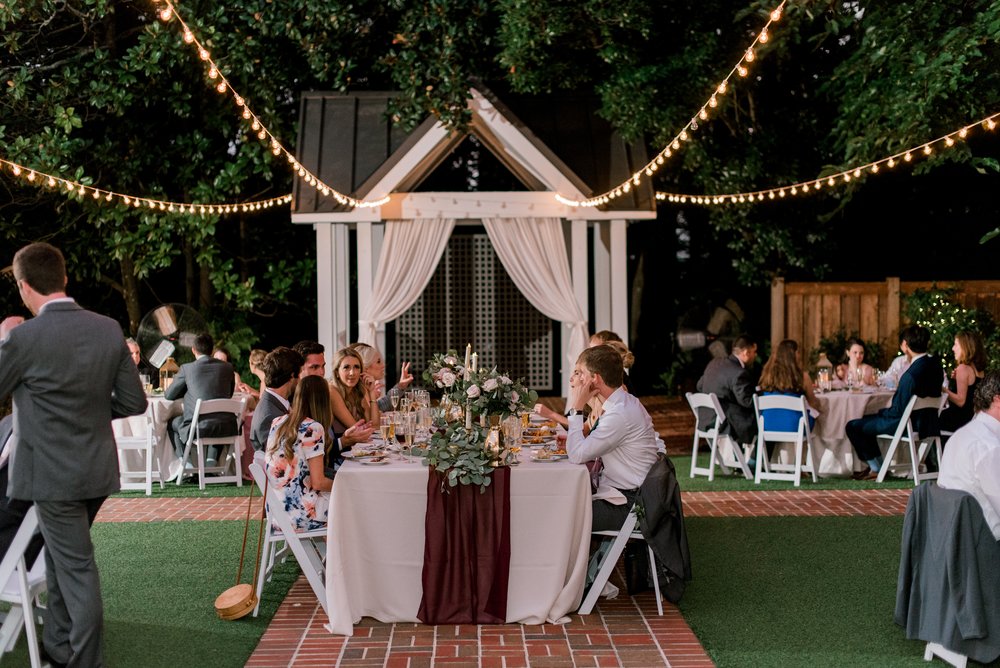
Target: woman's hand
{"points": [[405, 377], [371, 385]]}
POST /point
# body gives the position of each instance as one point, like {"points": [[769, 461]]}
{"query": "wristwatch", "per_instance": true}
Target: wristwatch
{"points": [[573, 411]]}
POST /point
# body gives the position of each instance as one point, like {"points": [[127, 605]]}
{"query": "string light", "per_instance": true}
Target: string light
{"points": [[117, 198], [749, 55], [927, 148], [190, 37]]}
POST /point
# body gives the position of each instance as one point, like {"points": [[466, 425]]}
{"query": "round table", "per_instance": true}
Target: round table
{"points": [[831, 447]]}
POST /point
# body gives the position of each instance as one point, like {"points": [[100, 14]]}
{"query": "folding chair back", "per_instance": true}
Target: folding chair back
{"points": [[305, 550], [918, 445], [712, 436], [767, 470], [143, 443], [237, 407], [20, 587]]}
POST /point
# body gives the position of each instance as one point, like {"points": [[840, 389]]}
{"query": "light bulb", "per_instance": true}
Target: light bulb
{"points": [[742, 71], [188, 36], [221, 87], [722, 88], [776, 14], [763, 37], [166, 14], [749, 56]]}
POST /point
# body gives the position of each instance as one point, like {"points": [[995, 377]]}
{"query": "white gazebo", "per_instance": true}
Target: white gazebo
{"points": [[348, 141]]}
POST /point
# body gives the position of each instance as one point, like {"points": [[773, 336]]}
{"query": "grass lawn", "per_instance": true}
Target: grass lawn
{"points": [[731, 483]]}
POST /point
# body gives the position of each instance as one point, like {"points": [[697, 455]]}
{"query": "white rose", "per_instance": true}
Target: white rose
{"points": [[472, 392], [490, 384], [448, 378], [450, 361], [505, 380], [514, 397]]}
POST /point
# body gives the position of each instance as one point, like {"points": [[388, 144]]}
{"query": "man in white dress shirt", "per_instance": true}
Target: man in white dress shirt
{"points": [[971, 462], [623, 437]]}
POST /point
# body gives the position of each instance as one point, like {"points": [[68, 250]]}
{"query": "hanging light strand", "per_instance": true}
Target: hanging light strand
{"points": [[741, 69], [222, 85], [110, 197], [844, 177]]}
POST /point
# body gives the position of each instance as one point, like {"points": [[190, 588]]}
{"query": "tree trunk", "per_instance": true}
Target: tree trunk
{"points": [[130, 294], [205, 296], [189, 275]]}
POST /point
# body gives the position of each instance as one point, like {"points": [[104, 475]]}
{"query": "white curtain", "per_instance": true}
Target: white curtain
{"points": [[410, 253], [533, 251]]}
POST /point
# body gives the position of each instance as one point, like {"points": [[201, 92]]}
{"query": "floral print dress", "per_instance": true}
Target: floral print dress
{"points": [[308, 508]]}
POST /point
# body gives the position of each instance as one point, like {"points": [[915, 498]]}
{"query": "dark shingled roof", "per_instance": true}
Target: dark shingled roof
{"points": [[349, 142]]}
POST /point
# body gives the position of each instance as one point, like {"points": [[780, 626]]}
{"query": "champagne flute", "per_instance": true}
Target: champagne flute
{"points": [[386, 430], [394, 397], [409, 426]]}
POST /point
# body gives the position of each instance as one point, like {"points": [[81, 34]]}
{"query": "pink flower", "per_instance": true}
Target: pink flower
{"points": [[448, 378], [472, 392], [490, 384]]}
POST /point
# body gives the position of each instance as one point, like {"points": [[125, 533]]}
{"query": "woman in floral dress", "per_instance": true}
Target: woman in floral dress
{"points": [[296, 448]]}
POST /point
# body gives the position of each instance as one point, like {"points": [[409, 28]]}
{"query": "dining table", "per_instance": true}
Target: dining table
{"points": [[831, 447], [375, 541], [159, 412]]}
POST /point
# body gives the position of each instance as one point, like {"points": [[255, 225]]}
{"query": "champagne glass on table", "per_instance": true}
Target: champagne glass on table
{"points": [[386, 431], [394, 397], [410, 425]]}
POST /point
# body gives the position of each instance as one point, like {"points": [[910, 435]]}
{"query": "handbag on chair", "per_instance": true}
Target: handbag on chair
{"points": [[240, 599]]}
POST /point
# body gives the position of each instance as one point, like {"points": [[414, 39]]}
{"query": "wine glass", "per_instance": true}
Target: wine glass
{"points": [[860, 380], [394, 397], [406, 403], [386, 430]]}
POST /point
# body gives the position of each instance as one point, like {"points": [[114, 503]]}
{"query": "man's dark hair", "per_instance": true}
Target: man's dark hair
{"points": [[307, 348], [987, 390], [916, 337], [606, 361], [743, 342], [203, 344], [281, 365], [41, 266]]}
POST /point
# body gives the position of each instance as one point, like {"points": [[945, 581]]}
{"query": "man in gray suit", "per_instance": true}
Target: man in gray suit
{"points": [[731, 379], [204, 378], [70, 374], [281, 373]]}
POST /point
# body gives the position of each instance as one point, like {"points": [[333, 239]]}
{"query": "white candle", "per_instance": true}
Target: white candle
{"points": [[468, 351], [475, 360]]}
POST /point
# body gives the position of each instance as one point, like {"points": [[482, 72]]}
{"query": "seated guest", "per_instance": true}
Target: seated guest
{"points": [[223, 354], [296, 449], [923, 379], [595, 404], [731, 380], [897, 368], [12, 511], [256, 359], [204, 378], [624, 439], [971, 358], [373, 375], [854, 371], [314, 355], [783, 374], [352, 402], [602, 337], [971, 462], [281, 372]]}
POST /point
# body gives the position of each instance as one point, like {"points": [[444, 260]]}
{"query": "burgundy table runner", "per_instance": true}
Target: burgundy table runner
{"points": [[466, 552]]}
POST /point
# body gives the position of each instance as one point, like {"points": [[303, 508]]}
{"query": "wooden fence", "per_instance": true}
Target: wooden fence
{"points": [[808, 312]]}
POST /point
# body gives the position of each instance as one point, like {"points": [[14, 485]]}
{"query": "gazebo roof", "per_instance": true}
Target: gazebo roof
{"points": [[552, 144]]}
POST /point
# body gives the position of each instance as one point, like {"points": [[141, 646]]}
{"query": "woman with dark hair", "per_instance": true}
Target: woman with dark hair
{"points": [[854, 370], [783, 374], [971, 358], [296, 449]]}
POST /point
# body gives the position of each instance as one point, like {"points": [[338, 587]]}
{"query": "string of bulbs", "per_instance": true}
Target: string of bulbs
{"points": [[907, 156], [103, 195], [168, 13], [741, 69]]}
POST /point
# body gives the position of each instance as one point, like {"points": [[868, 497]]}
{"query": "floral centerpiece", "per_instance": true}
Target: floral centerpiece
{"points": [[459, 450]]}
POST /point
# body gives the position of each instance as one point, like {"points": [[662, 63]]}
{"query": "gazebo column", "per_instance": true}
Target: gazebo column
{"points": [[619, 278], [580, 273], [333, 286], [602, 276], [369, 247]]}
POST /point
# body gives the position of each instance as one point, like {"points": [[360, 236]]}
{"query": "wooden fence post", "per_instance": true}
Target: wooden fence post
{"points": [[777, 311], [892, 311]]}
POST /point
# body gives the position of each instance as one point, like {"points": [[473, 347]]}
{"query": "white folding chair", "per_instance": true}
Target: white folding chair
{"points": [[768, 470], [145, 444], [237, 407], [629, 531], [271, 552], [306, 552], [918, 446], [712, 436], [21, 588]]}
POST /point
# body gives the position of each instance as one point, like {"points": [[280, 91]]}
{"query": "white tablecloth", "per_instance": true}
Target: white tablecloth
{"points": [[829, 437], [161, 411], [376, 542]]}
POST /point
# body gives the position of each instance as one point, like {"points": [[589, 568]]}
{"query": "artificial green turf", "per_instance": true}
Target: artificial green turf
{"points": [[797, 591], [731, 483], [190, 489], [159, 582]]}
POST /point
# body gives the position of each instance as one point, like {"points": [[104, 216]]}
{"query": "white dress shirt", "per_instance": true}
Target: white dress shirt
{"points": [[971, 463], [624, 440]]}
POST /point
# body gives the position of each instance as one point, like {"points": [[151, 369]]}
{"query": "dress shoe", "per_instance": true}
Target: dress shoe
{"points": [[871, 475], [48, 660], [860, 475]]}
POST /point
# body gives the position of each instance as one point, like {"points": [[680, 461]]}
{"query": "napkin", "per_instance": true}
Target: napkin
{"points": [[610, 494]]}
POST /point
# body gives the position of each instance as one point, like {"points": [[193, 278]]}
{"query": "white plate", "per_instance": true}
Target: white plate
{"points": [[550, 458], [374, 462]]}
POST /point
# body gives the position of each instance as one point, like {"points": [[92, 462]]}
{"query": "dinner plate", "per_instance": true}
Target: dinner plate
{"points": [[550, 458], [375, 461]]}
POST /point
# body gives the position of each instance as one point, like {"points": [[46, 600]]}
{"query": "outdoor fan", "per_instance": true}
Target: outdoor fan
{"points": [[723, 327], [169, 330]]}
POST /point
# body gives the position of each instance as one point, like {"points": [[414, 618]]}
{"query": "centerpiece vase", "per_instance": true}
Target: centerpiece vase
{"points": [[494, 443]]}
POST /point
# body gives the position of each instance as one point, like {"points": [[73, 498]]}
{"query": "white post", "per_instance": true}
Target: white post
{"points": [[602, 276], [340, 288], [324, 285], [378, 236], [619, 279], [366, 266], [579, 270]]}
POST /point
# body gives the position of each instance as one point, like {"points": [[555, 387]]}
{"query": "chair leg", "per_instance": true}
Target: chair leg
{"points": [[712, 453], [184, 462], [656, 580], [149, 470], [694, 454], [265, 556], [30, 632], [761, 455], [201, 465], [798, 464]]}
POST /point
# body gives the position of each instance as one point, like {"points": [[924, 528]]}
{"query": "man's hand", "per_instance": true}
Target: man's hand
{"points": [[405, 377], [8, 324], [359, 433], [581, 393]]}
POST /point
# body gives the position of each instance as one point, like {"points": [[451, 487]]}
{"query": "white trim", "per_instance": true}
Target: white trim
{"points": [[619, 278], [424, 146], [324, 286], [367, 262], [602, 276]]}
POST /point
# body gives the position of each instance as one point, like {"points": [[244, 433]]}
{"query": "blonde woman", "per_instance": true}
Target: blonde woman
{"points": [[296, 449], [352, 402], [971, 359], [373, 375]]}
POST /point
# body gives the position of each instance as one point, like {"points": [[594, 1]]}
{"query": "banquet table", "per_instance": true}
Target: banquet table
{"points": [[831, 446], [160, 411], [375, 542]]}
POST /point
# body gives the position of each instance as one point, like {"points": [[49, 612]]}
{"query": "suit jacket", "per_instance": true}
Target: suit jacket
{"points": [[267, 409], [734, 386], [205, 378], [662, 525], [923, 378], [70, 373]]}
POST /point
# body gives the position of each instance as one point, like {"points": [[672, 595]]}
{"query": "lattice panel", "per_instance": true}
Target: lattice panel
{"points": [[471, 299]]}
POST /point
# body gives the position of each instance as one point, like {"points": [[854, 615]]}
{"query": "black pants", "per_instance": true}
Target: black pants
{"points": [[608, 516], [862, 433]]}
